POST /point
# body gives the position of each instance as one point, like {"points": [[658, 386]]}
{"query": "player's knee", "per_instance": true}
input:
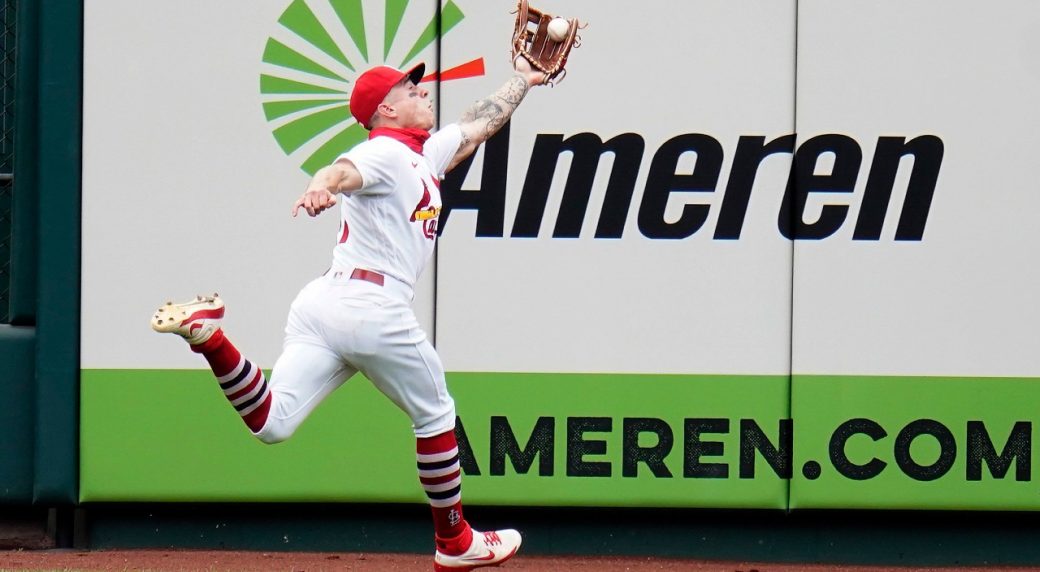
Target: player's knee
{"points": [[437, 425], [271, 438], [273, 433]]}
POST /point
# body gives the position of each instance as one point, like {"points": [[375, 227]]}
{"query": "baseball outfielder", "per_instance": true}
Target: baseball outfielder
{"points": [[358, 315]]}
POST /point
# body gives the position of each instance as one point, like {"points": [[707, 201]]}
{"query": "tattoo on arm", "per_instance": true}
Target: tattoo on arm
{"points": [[491, 113]]}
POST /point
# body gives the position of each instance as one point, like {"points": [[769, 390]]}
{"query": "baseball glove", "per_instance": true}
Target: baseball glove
{"points": [[533, 40]]}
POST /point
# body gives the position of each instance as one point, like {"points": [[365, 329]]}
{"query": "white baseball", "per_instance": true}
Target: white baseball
{"points": [[558, 29]]}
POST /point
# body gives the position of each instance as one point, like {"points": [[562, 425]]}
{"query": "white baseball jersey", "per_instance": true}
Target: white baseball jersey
{"points": [[339, 326], [390, 224]]}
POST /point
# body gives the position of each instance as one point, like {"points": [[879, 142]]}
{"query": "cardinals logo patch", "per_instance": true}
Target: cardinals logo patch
{"points": [[426, 213]]}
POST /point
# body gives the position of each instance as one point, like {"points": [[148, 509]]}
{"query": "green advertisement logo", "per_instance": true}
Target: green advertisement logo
{"points": [[321, 46]]}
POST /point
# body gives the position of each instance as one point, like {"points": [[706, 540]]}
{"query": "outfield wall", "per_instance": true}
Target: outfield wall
{"points": [[785, 262]]}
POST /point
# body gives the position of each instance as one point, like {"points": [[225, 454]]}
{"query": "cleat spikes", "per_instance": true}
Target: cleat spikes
{"points": [[196, 321]]}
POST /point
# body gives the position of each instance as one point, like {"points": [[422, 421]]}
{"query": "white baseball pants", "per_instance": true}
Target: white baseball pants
{"points": [[338, 326]]}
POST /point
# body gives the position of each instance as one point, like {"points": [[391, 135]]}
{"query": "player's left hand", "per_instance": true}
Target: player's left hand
{"points": [[314, 201], [523, 67]]}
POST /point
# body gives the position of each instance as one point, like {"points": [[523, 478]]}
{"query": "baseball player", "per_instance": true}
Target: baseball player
{"points": [[358, 315]]}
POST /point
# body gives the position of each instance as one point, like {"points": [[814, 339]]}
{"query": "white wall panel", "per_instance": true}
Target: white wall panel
{"points": [[963, 300]]}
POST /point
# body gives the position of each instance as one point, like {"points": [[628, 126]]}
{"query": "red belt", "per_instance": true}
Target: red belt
{"points": [[367, 275]]}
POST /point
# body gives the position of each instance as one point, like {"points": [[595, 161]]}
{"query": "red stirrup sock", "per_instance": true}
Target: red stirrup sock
{"points": [[441, 477], [243, 383]]}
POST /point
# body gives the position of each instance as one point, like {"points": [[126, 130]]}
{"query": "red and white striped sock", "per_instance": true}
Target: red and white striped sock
{"points": [[243, 383], [437, 458]]}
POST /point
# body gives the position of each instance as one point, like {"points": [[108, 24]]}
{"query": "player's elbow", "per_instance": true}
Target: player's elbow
{"points": [[464, 152]]}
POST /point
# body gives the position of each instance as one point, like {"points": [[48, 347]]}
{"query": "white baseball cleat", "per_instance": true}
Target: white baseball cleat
{"points": [[487, 549], [195, 321]]}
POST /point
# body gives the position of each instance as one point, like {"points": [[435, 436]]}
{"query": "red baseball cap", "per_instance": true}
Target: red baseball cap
{"points": [[371, 88]]}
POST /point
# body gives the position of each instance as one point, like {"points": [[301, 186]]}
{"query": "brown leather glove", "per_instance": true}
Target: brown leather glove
{"points": [[532, 41]]}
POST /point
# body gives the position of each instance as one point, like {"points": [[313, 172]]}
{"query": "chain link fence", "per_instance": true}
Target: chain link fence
{"points": [[7, 77]]}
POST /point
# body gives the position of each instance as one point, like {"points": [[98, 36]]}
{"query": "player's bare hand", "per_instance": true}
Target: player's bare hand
{"points": [[314, 201], [523, 67]]}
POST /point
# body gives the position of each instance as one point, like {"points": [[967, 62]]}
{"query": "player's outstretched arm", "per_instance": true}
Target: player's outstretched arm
{"points": [[485, 117], [341, 177]]}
